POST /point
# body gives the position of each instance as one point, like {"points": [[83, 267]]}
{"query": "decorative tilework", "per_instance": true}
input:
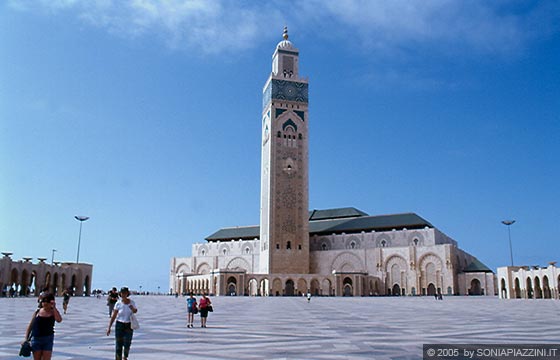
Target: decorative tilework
{"points": [[267, 95], [289, 90], [279, 112], [301, 114], [289, 123]]}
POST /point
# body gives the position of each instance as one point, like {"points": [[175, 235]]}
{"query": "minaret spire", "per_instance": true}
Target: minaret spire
{"points": [[285, 35]]}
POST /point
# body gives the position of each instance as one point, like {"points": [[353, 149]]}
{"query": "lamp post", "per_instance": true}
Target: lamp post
{"points": [[81, 219], [52, 257], [508, 223]]}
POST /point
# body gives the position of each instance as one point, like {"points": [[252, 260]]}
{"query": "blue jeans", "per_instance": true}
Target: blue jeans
{"points": [[123, 339]]}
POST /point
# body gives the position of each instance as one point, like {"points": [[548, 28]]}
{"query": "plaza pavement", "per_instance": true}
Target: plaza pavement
{"points": [[289, 327]]}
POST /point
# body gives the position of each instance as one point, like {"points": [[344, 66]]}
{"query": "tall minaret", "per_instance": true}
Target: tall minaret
{"points": [[284, 227]]}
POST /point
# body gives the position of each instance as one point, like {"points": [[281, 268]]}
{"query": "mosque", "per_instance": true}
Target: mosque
{"points": [[328, 252]]}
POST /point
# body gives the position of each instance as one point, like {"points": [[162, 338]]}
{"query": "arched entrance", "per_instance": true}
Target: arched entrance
{"points": [[546, 288], [264, 288], [396, 291], [529, 288], [431, 289], [315, 287], [24, 283], [86, 287], [503, 289], [475, 288], [55, 289], [538, 290], [289, 290], [347, 288], [231, 286], [517, 289], [14, 282], [253, 288]]}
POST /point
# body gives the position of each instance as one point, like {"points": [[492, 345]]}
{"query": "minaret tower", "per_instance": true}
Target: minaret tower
{"points": [[284, 228]]}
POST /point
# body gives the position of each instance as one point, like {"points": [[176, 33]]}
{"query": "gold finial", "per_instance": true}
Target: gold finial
{"points": [[285, 35]]}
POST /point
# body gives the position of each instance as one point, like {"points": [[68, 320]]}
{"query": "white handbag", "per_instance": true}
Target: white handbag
{"points": [[134, 324]]}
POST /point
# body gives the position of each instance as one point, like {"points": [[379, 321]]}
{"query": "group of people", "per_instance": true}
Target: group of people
{"points": [[40, 331]]}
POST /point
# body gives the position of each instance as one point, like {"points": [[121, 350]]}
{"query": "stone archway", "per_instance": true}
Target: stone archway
{"points": [[289, 290], [517, 289], [347, 262], [315, 288], [231, 286], [253, 287], [476, 288], [24, 291], [431, 289], [394, 269], [538, 290], [503, 289], [396, 290], [546, 288], [529, 288], [277, 287], [347, 287], [326, 287]]}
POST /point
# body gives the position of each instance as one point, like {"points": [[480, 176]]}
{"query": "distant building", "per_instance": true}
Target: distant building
{"points": [[525, 282], [23, 278], [334, 252]]}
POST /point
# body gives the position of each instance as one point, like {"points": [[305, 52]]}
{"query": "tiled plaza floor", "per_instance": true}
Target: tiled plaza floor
{"points": [[290, 328]]}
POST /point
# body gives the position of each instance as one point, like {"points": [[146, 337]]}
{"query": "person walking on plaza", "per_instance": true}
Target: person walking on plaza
{"points": [[191, 310], [204, 306], [41, 328], [112, 298], [65, 300], [122, 313]]}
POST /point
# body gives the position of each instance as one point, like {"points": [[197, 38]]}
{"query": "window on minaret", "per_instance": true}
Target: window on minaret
{"points": [[288, 66], [290, 137], [289, 245]]}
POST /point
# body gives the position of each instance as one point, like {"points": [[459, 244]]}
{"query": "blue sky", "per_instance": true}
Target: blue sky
{"points": [[145, 116]]}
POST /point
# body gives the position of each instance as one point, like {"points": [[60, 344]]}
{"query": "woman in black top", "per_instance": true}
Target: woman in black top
{"points": [[41, 328]]}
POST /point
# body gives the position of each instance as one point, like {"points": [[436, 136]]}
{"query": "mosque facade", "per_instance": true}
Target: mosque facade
{"points": [[328, 252]]}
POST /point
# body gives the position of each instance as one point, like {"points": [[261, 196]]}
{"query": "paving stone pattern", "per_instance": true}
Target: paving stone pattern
{"points": [[289, 327]]}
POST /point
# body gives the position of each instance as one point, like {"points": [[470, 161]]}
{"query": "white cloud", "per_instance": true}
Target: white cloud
{"points": [[216, 26]]}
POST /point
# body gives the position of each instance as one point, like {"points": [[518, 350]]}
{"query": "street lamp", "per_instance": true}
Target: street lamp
{"points": [[52, 258], [508, 223], [81, 219]]}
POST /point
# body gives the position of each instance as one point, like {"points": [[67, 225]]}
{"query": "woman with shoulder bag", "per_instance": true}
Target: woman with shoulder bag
{"points": [[204, 305], [41, 328], [124, 310]]}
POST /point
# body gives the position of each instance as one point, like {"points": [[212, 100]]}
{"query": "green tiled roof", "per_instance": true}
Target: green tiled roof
{"points": [[335, 213], [347, 220], [240, 232], [477, 266]]}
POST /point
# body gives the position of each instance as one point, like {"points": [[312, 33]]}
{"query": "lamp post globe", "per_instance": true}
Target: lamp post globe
{"points": [[81, 219]]}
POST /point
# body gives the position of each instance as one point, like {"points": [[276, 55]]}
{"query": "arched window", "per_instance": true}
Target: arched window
{"points": [[415, 241], [383, 243], [289, 245], [323, 246]]}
